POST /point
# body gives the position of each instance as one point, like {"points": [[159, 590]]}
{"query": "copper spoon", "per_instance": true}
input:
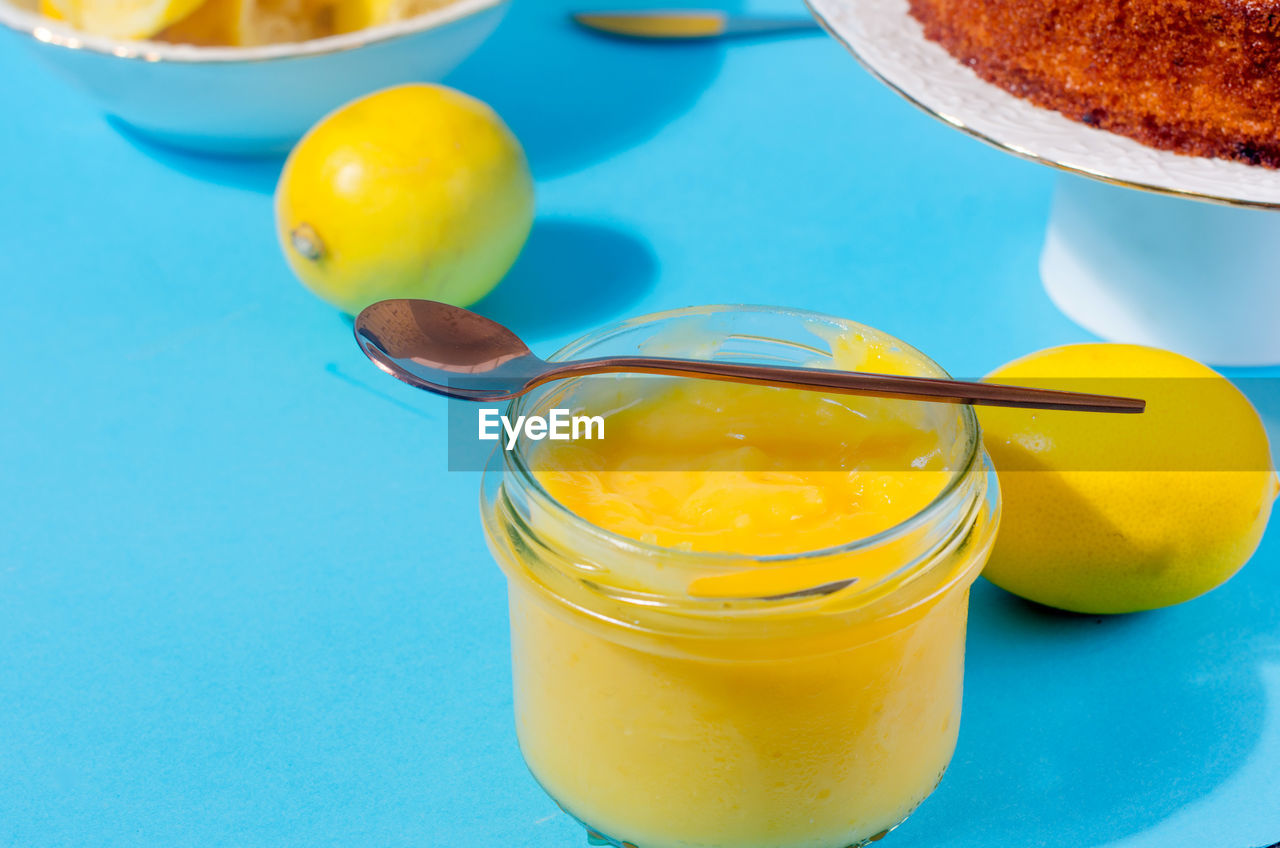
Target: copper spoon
{"points": [[455, 352], [690, 24]]}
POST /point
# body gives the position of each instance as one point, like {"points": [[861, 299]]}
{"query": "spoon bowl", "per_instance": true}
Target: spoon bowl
{"points": [[445, 349]]}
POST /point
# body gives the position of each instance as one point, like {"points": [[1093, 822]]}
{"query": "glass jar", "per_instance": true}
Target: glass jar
{"points": [[818, 717]]}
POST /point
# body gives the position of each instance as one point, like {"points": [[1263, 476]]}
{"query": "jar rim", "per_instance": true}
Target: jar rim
{"points": [[514, 461]]}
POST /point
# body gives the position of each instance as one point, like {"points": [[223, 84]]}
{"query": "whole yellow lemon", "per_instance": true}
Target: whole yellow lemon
{"points": [[1108, 513], [414, 191]]}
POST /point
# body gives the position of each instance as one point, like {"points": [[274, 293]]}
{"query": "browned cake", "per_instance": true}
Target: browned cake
{"points": [[1197, 76]]}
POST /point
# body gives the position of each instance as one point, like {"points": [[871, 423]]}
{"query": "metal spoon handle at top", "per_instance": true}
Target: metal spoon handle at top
{"points": [[690, 24], [847, 382]]}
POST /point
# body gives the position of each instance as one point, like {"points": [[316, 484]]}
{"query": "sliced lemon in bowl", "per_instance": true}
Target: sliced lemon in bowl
{"points": [[231, 23], [352, 15], [125, 19], [51, 10], [247, 23]]}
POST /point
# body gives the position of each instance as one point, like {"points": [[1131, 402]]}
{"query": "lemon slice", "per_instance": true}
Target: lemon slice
{"points": [[247, 23], [51, 11], [214, 23], [352, 15], [126, 19]]}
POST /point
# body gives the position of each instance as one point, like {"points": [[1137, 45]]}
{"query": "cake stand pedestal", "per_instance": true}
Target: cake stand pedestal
{"points": [[1185, 275], [1143, 245]]}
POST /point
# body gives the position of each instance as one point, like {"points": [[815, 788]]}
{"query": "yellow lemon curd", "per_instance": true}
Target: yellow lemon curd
{"points": [[692, 667]]}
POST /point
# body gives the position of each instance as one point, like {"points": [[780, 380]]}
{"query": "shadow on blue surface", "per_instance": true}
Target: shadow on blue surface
{"points": [[578, 97], [572, 276], [252, 173], [1080, 730]]}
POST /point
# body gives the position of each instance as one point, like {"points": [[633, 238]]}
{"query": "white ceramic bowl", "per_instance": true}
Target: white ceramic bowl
{"points": [[251, 100]]}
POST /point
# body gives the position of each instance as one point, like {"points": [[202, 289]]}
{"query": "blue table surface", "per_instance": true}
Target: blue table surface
{"points": [[242, 603]]}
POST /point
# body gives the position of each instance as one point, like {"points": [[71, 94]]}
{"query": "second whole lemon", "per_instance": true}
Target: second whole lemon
{"points": [[1109, 513], [417, 191]]}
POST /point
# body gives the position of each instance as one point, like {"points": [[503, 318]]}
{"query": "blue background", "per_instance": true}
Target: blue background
{"points": [[243, 604]]}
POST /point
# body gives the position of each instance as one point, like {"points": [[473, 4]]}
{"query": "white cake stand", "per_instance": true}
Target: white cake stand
{"points": [[1189, 261]]}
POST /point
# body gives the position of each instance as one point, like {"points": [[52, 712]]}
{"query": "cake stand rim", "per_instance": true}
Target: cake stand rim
{"points": [[822, 16]]}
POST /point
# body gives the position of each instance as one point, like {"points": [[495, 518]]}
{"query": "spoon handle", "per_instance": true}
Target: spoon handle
{"points": [[848, 382]]}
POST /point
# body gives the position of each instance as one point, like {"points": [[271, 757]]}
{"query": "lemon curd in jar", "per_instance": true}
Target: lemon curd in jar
{"points": [[738, 620]]}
